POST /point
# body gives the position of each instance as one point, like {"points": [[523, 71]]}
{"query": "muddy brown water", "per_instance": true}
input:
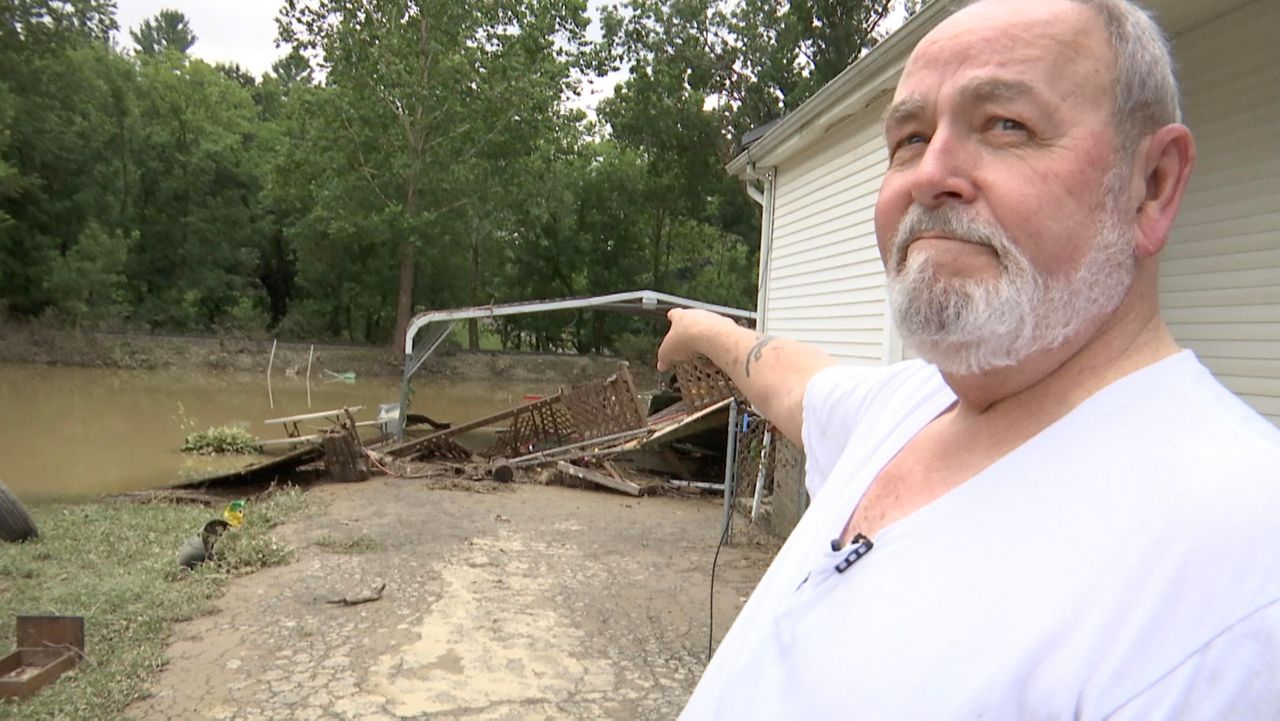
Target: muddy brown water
{"points": [[72, 433]]}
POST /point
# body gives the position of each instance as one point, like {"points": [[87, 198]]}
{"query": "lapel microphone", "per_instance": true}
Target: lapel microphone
{"points": [[861, 546]]}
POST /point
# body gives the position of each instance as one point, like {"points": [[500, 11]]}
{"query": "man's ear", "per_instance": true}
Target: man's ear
{"points": [[1165, 160]]}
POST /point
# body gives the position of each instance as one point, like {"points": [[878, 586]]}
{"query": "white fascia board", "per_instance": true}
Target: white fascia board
{"points": [[849, 93]]}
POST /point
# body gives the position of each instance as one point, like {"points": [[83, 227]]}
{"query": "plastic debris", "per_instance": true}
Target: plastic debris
{"points": [[234, 513]]}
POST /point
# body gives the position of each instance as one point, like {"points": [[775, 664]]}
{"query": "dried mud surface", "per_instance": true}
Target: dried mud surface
{"points": [[526, 601]]}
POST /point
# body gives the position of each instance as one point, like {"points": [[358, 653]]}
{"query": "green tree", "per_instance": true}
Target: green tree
{"points": [[420, 89], [168, 31], [66, 101], [680, 53], [198, 215], [43, 25], [293, 69], [88, 283], [785, 52]]}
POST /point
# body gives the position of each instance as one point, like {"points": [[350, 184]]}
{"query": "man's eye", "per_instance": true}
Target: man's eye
{"points": [[1008, 125], [907, 141]]}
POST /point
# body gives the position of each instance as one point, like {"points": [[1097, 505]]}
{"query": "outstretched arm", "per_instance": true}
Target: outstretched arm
{"points": [[771, 372]]}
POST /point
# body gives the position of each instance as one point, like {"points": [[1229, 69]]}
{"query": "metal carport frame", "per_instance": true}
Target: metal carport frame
{"points": [[438, 323]]}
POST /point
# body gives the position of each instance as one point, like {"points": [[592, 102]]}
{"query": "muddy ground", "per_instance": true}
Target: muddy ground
{"points": [[501, 602]]}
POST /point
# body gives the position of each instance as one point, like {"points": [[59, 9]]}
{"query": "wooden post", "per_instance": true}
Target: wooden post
{"points": [[629, 389], [344, 457]]}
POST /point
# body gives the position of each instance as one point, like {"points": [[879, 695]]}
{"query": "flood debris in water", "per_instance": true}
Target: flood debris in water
{"points": [[599, 434]]}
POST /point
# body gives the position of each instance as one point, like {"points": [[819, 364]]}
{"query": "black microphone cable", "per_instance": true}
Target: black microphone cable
{"points": [[730, 490], [711, 600]]}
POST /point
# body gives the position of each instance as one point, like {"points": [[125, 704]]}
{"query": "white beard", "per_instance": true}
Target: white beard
{"points": [[967, 326]]}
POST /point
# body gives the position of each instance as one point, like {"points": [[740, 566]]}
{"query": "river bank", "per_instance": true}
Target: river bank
{"points": [[38, 345]]}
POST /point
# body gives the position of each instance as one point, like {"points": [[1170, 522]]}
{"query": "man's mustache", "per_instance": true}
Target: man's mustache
{"points": [[946, 221]]}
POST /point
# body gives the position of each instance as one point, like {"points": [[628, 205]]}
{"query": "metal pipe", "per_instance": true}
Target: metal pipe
{"points": [[540, 456], [411, 366], [764, 467], [730, 461], [766, 249], [702, 485]]}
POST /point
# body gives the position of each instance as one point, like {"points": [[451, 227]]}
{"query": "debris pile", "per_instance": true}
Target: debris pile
{"points": [[598, 433]]}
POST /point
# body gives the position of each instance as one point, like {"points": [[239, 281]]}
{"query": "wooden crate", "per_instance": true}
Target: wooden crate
{"points": [[48, 646]]}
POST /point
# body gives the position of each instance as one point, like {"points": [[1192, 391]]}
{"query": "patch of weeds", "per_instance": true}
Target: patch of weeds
{"points": [[359, 544], [220, 439], [115, 564], [251, 547]]}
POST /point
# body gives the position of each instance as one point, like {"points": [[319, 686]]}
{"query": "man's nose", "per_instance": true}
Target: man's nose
{"points": [[945, 172]]}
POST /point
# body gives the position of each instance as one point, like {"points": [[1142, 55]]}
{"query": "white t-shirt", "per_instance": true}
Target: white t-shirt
{"points": [[1122, 564]]}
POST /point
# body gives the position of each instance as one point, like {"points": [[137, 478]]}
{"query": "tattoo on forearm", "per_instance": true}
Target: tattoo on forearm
{"points": [[754, 355]]}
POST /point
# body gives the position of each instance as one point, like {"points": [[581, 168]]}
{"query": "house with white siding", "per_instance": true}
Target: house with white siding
{"points": [[816, 174]]}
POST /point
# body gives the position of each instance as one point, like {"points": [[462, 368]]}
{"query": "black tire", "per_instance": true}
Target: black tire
{"points": [[15, 522]]}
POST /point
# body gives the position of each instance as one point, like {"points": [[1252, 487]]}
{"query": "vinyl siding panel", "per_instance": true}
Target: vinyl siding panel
{"points": [[1220, 274], [825, 282]]}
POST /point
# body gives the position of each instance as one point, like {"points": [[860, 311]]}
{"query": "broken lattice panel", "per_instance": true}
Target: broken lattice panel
{"points": [[603, 408], [703, 384], [539, 426]]}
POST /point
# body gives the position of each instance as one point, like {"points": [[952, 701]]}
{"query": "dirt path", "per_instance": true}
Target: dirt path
{"points": [[524, 602]]}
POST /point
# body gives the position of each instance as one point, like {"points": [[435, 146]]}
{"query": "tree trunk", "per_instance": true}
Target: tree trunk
{"points": [[473, 291], [655, 259], [404, 297]]}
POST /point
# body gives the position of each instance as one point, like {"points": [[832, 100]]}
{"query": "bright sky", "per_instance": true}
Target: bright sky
{"points": [[244, 32], [239, 31]]}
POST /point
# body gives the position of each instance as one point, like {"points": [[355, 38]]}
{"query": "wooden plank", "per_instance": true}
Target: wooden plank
{"points": [[678, 429], [336, 414], [599, 478], [293, 441], [409, 446]]}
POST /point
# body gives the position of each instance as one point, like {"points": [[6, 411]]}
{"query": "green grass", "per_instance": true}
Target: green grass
{"points": [[220, 439], [489, 340], [358, 544], [115, 564]]}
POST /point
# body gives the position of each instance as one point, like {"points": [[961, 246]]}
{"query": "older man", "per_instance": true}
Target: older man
{"points": [[1061, 515]]}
